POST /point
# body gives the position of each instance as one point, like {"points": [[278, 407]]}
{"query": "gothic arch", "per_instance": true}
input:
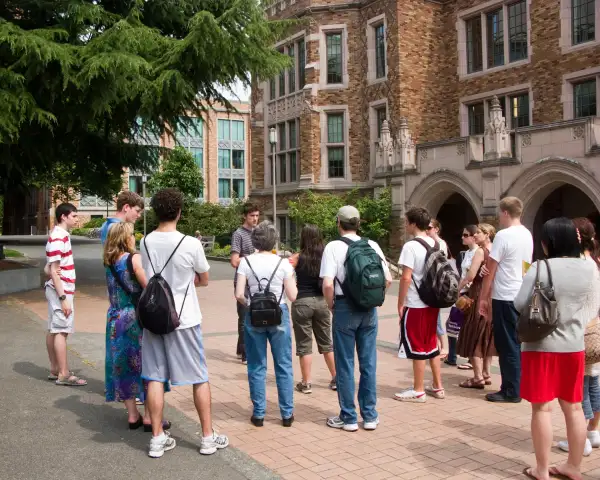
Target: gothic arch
{"points": [[438, 186], [545, 176]]}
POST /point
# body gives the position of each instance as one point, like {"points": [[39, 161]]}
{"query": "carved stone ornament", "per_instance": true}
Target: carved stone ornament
{"points": [[526, 140], [404, 135], [423, 154], [460, 149], [578, 132], [497, 124]]}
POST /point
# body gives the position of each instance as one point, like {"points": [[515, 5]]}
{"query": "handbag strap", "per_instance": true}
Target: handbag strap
{"points": [[119, 280]]}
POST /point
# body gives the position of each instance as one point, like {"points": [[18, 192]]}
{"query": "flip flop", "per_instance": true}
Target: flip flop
{"points": [[465, 366], [488, 380], [72, 381], [527, 472], [555, 473], [472, 383]]}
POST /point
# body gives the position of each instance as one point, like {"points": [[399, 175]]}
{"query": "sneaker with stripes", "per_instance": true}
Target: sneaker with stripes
{"points": [[409, 395]]}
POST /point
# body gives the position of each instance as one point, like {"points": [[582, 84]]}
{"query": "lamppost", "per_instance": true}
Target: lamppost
{"points": [[273, 142], [144, 180]]}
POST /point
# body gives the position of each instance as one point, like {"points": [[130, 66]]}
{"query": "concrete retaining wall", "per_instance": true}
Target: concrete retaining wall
{"points": [[19, 280]]}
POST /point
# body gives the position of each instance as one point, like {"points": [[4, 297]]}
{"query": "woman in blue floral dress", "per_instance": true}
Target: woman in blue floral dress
{"points": [[125, 278]]}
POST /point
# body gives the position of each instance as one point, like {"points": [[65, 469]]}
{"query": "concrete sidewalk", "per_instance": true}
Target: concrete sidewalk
{"points": [[67, 433]]}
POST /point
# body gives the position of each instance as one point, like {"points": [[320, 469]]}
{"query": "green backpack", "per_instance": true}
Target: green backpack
{"points": [[365, 279]]}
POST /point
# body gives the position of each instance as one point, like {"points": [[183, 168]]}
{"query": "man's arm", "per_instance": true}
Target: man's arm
{"points": [[236, 248], [405, 280], [328, 291], [65, 305], [486, 288], [201, 267], [235, 260]]}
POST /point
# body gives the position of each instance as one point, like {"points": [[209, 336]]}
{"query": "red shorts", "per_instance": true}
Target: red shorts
{"points": [[548, 375], [418, 333]]}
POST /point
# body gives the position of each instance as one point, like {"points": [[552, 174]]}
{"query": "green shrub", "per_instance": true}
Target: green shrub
{"points": [[95, 223], [217, 251], [80, 232]]}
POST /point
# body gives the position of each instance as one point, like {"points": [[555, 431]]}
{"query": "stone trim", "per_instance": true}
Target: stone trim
{"points": [[566, 38], [567, 97], [323, 30], [371, 49]]}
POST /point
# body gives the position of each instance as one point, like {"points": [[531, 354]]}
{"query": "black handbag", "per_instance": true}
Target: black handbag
{"points": [[264, 306]]}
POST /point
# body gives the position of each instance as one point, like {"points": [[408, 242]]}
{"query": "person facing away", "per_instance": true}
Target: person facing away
{"points": [[241, 246], [434, 229], [177, 356], [60, 292], [310, 312], [352, 329], [254, 272], [129, 208], [510, 257], [418, 321], [553, 367]]}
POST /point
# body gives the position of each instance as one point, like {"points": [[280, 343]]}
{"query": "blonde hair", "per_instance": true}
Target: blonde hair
{"points": [[117, 242], [488, 229], [512, 205]]}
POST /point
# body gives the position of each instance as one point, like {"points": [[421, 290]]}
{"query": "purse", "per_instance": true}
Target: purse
{"points": [[541, 318], [464, 303], [592, 344]]}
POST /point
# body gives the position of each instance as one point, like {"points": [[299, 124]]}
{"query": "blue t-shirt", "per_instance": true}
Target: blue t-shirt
{"points": [[106, 227]]}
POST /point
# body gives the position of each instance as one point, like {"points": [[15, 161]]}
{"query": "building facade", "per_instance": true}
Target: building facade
{"points": [[220, 144], [481, 99]]}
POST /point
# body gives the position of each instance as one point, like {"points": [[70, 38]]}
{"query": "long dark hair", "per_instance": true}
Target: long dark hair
{"points": [[311, 250], [559, 236], [587, 233]]}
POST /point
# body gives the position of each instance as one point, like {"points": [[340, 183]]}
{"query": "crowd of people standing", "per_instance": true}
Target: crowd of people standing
{"points": [[334, 300]]}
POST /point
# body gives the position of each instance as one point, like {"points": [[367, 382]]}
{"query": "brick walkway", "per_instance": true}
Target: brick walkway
{"points": [[462, 437]]}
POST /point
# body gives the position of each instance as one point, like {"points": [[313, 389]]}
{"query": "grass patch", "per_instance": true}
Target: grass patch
{"points": [[9, 253]]}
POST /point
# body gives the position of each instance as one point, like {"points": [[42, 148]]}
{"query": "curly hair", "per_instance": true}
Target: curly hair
{"points": [[167, 204]]}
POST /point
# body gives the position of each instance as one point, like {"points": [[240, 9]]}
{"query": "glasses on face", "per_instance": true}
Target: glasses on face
{"points": [[430, 227], [466, 235]]}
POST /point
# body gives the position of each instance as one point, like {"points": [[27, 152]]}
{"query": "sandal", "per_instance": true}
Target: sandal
{"points": [[465, 366], [488, 380], [72, 381], [527, 471], [448, 362], [54, 376], [472, 383]]}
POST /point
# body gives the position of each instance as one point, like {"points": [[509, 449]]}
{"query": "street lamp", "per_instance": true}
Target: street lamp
{"points": [[144, 180], [273, 142]]}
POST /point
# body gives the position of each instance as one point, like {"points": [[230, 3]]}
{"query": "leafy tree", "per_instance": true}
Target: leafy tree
{"points": [[86, 86], [178, 170], [321, 209], [212, 219]]}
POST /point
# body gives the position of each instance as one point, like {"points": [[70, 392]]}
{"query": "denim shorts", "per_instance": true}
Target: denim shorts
{"points": [[591, 396]]}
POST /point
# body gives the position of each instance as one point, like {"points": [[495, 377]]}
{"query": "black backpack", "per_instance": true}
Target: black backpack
{"points": [[264, 305], [156, 307], [439, 287]]}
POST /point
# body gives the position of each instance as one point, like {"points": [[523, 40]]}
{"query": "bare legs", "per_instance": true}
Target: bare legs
{"points": [[436, 370], [133, 414], [330, 362], [306, 366], [576, 436], [541, 433], [202, 402], [419, 373], [477, 363], [56, 344], [155, 402], [51, 355]]}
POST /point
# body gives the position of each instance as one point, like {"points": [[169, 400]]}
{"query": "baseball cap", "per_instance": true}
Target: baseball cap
{"points": [[348, 213]]}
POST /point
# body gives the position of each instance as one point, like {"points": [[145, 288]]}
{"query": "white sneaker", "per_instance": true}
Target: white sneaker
{"points": [[210, 445], [594, 438], [438, 393], [337, 422], [410, 395], [161, 444], [372, 425], [587, 450]]}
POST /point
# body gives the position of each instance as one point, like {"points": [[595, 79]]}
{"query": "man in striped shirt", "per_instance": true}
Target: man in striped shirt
{"points": [[60, 289]]}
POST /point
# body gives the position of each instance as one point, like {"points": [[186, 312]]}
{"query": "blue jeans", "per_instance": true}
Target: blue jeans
{"points": [[280, 338], [504, 323], [353, 329], [452, 349], [591, 396]]}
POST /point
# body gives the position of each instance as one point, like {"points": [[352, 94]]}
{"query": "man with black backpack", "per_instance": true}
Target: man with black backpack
{"points": [[428, 283], [355, 278], [169, 312]]}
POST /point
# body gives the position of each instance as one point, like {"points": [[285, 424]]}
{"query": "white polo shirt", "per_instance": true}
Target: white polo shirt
{"points": [[334, 256]]}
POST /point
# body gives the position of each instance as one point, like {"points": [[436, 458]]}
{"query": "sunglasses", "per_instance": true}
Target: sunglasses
{"points": [[466, 235], [430, 227]]}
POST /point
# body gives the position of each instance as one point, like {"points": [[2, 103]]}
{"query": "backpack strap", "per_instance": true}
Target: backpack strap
{"points": [[348, 242], [429, 249], [267, 288], [253, 273], [148, 253]]}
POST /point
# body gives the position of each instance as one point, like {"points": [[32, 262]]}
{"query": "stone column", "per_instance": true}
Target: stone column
{"points": [[497, 138]]}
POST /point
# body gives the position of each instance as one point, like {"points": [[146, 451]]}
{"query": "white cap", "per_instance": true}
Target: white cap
{"points": [[348, 213]]}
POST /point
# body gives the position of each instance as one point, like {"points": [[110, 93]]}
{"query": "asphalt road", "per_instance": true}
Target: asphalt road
{"points": [[66, 433]]}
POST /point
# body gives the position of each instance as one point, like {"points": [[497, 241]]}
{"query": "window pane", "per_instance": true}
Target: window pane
{"points": [[238, 159], [197, 153], [335, 158], [281, 134], [583, 20], [517, 31], [281, 80], [224, 157], [292, 70], [293, 237], [476, 120], [272, 89], [224, 188], [282, 224], [585, 99], [293, 167], [223, 128], [196, 129], [334, 57], [474, 57], [519, 110], [381, 116], [238, 188], [292, 133], [379, 51], [301, 64], [335, 128], [495, 39], [237, 130], [135, 184], [282, 168]]}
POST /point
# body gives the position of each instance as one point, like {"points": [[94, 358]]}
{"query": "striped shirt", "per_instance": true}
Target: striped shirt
{"points": [[58, 249], [241, 243]]}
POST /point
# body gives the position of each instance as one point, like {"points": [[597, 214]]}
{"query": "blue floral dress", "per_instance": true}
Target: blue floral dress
{"points": [[123, 367]]}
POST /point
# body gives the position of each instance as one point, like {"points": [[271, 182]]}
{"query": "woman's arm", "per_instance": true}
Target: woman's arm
{"points": [[138, 270], [472, 273], [291, 289], [240, 289]]}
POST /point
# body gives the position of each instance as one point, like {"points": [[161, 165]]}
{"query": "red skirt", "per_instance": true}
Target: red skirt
{"points": [[549, 375]]}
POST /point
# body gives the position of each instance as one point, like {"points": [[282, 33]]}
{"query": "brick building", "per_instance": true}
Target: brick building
{"points": [[221, 146], [432, 69]]}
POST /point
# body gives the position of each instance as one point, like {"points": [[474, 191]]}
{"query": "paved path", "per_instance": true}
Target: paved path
{"points": [[462, 437]]}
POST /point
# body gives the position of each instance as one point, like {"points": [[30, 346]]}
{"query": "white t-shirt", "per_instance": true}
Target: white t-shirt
{"points": [[465, 265], [512, 247], [413, 256], [334, 256], [264, 265], [443, 247], [180, 272]]}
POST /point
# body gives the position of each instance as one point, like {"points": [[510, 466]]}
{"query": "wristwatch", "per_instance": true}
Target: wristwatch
{"points": [[62, 298]]}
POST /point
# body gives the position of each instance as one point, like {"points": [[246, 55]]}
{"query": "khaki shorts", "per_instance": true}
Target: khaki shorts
{"points": [[57, 322], [310, 314]]}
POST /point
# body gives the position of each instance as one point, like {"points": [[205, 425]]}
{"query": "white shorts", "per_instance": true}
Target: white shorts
{"points": [[57, 321]]}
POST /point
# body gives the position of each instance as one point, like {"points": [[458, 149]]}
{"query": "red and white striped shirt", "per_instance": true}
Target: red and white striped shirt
{"points": [[58, 249]]}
